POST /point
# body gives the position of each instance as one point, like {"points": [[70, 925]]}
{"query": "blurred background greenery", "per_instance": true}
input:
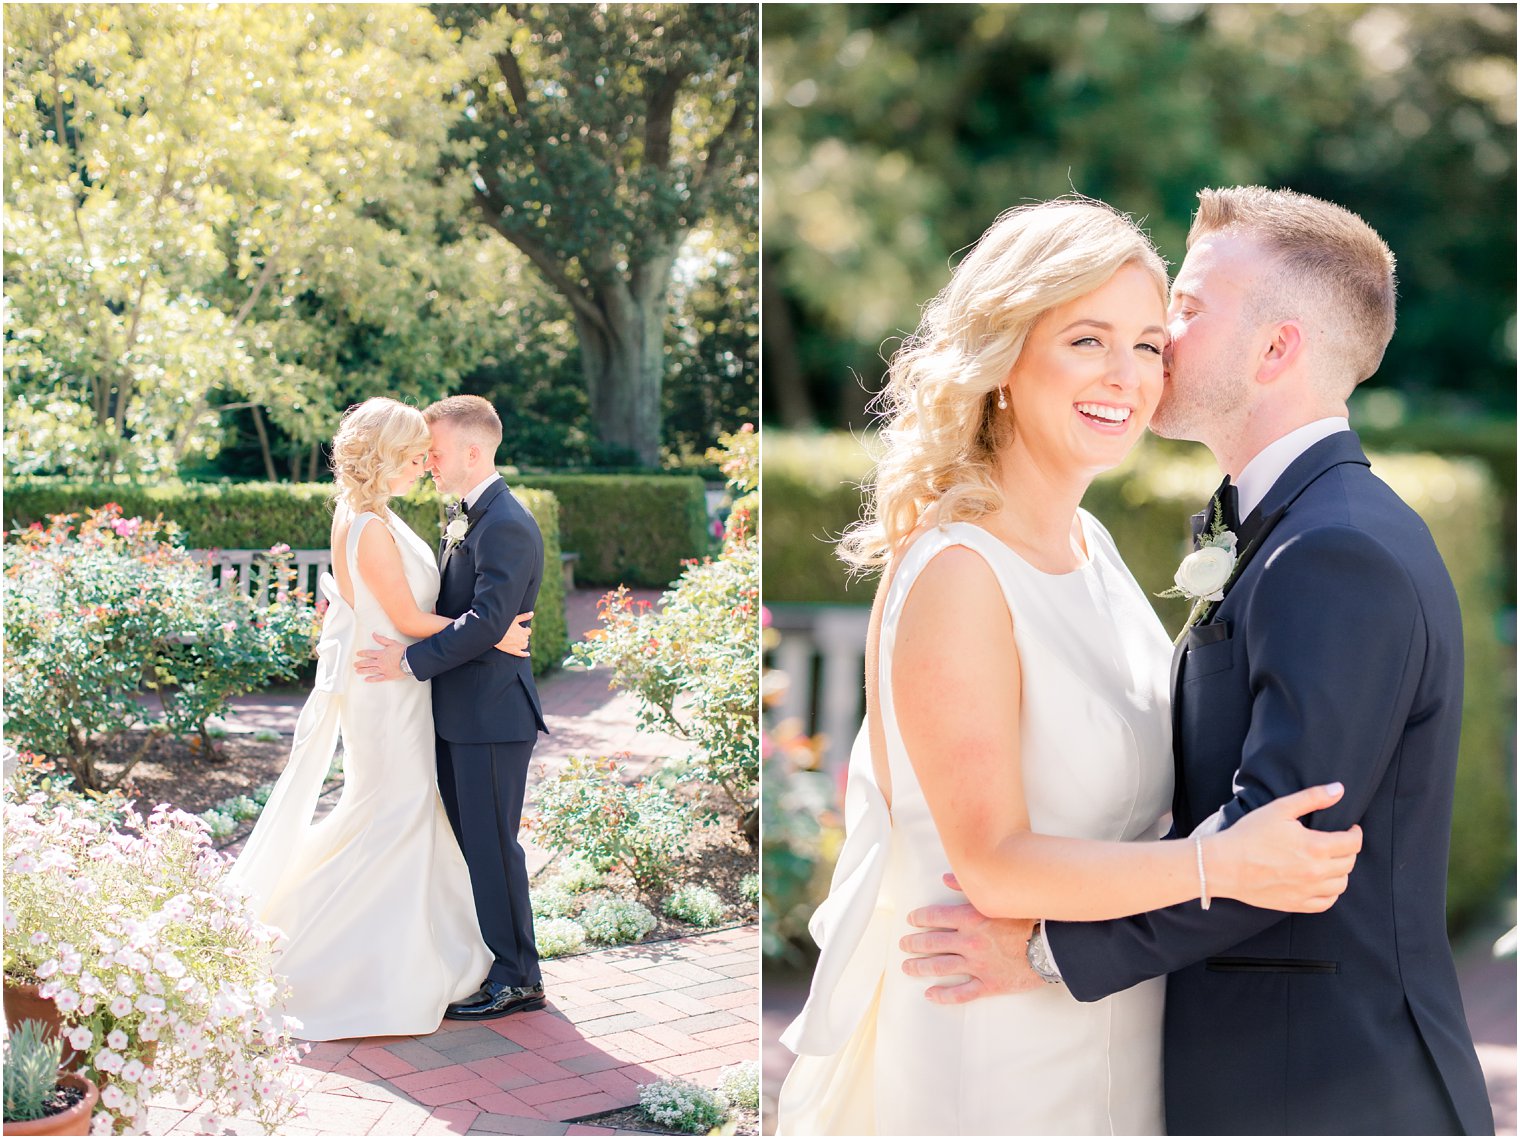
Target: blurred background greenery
{"points": [[894, 134]]}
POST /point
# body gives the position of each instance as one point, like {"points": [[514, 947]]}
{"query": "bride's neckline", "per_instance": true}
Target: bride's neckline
{"points": [[1084, 563]]}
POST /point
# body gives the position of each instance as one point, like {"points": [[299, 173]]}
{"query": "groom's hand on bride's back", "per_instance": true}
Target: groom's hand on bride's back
{"points": [[986, 956]]}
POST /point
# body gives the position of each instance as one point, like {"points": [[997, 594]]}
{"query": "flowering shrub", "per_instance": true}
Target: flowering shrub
{"points": [[587, 808], [552, 900], [692, 662], [682, 1106], [94, 616], [740, 1084], [749, 889], [556, 937], [802, 832], [164, 978], [614, 921], [577, 875], [699, 905]]}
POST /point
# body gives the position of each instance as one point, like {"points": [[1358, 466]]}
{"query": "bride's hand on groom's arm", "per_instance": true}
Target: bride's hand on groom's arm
{"points": [[515, 640], [1270, 860], [989, 955]]}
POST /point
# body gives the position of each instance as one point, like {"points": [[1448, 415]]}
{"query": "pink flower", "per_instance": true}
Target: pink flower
{"points": [[113, 1097], [117, 1039], [81, 1038], [132, 1071], [121, 1006]]}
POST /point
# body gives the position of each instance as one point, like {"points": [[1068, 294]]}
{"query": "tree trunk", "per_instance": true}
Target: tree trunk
{"points": [[623, 359]]}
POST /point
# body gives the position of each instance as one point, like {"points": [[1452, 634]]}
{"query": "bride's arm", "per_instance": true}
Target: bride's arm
{"points": [[380, 565], [956, 684]]}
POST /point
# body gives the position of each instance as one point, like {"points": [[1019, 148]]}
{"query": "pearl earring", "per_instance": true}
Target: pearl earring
{"points": [[1002, 399]]}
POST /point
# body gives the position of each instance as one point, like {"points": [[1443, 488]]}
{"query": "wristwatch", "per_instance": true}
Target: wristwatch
{"points": [[1040, 960], [406, 665]]}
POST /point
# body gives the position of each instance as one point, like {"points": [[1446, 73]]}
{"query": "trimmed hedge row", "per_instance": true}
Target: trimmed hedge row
{"points": [[811, 495], [252, 516], [629, 529]]}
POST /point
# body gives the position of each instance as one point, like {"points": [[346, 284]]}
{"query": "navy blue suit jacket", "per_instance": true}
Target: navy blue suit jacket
{"points": [[480, 694], [1336, 655]]}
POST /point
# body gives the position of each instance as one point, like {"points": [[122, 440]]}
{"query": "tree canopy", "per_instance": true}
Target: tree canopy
{"points": [[894, 134]]}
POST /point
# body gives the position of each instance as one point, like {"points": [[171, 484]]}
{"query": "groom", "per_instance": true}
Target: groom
{"points": [[1336, 655], [485, 706]]}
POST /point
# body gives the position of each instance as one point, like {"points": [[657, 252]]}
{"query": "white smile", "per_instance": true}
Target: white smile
{"points": [[1105, 413]]}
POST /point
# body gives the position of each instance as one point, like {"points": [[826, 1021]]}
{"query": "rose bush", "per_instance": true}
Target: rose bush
{"points": [[96, 615], [691, 661]]}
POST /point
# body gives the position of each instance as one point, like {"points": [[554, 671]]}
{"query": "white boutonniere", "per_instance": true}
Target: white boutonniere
{"points": [[456, 530], [1205, 572]]}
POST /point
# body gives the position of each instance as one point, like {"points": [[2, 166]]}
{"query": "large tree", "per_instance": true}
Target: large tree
{"points": [[220, 206], [603, 135]]}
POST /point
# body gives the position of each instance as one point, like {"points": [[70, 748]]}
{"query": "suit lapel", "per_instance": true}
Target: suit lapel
{"points": [[473, 514], [1324, 456]]}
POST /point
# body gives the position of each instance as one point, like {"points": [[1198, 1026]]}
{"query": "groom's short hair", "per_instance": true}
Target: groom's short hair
{"points": [[1330, 263], [470, 414]]}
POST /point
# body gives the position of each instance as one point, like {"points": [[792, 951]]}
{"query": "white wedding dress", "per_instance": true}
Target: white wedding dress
{"points": [[375, 898], [874, 1055]]}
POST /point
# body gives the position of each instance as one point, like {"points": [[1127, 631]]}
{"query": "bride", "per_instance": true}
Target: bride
{"points": [[1018, 725], [375, 898]]}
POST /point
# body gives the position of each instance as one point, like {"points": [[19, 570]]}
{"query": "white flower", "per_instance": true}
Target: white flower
{"points": [[132, 1071], [81, 1038], [1203, 573], [108, 1061], [121, 1006], [10, 922], [101, 1123], [457, 529], [117, 1040], [112, 1096], [67, 1001]]}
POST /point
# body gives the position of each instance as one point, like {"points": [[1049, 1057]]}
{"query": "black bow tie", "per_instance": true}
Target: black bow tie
{"points": [[1223, 507], [454, 510]]}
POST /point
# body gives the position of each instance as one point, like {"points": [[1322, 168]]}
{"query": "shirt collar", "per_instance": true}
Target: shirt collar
{"points": [[469, 500], [1273, 459]]}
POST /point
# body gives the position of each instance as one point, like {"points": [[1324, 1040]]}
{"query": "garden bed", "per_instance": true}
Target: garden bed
{"points": [[178, 771]]}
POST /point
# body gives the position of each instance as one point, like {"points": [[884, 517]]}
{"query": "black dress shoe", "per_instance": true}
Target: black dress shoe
{"points": [[496, 999]]}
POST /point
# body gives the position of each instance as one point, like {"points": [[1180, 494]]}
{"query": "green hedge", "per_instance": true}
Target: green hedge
{"points": [[252, 516], [811, 494], [629, 529]]}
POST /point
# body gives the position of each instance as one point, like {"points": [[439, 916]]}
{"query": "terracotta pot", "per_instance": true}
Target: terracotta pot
{"points": [[23, 1003], [74, 1121]]}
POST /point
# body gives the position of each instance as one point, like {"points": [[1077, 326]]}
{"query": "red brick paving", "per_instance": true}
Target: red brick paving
{"points": [[616, 1018]]}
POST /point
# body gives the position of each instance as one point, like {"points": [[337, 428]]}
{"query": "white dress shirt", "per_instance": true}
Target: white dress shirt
{"points": [[481, 487], [1273, 459]]}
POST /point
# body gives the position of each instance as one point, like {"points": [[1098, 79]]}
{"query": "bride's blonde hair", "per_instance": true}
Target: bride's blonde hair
{"points": [[374, 441], [941, 427]]}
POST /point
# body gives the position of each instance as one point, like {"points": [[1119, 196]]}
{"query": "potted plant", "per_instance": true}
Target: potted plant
{"points": [[162, 975], [38, 1100]]}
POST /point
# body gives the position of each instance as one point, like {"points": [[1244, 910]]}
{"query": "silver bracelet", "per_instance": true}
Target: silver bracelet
{"points": [[1203, 880]]}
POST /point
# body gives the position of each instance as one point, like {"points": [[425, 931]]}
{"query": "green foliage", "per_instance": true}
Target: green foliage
{"points": [[587, 808], [634, 530], [800, 836], [683, 1106], [31, 1070], [698, 905], [241, 516], [218, 206], [749, 889], [91, 617], [557, 936], [616, 921], [895, 134], [601, 192], [810, 495]]}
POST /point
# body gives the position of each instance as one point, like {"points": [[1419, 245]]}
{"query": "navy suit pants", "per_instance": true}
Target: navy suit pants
{"points": [[482, 786]]}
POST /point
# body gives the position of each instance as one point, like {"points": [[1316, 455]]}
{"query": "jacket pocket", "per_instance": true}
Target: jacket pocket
{"points": [[1271, 965], [1214, 652]]}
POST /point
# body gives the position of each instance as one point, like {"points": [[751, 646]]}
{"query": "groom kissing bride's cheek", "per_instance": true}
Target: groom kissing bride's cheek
{"points": [[1282, 965]]}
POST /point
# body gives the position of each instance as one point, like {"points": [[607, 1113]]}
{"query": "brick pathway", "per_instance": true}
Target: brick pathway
{"points": [[617, 1018]]}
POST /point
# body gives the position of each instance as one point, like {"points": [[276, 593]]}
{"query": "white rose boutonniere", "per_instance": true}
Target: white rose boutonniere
{"points": [[1204, 573], [456, 530]]}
